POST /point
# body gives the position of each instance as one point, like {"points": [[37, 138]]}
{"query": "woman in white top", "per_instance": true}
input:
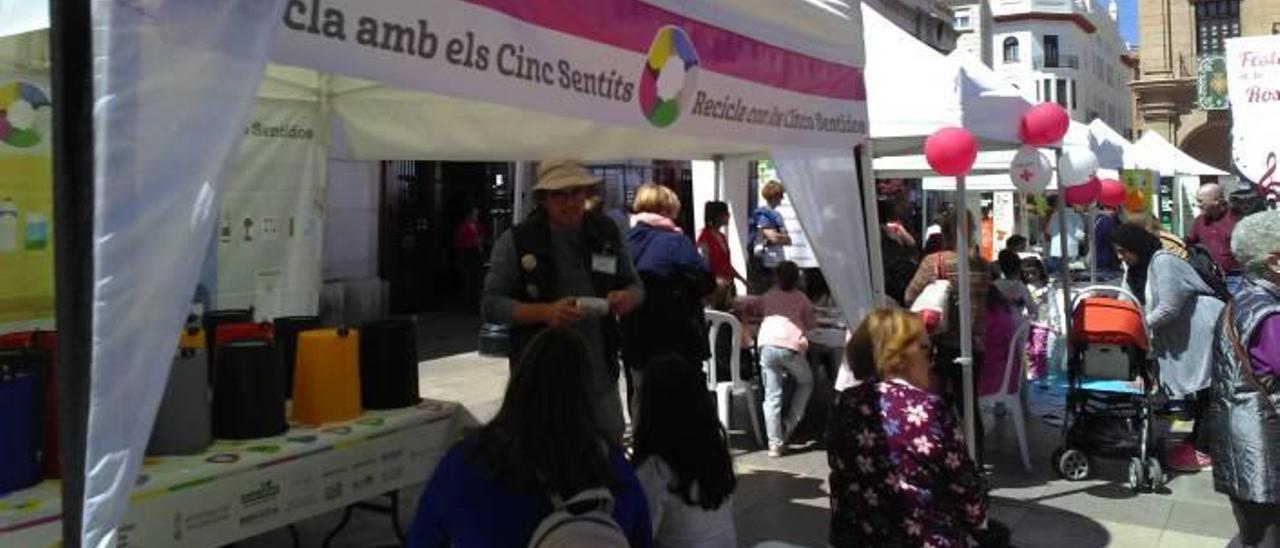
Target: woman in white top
{"points": [[682, 458]]}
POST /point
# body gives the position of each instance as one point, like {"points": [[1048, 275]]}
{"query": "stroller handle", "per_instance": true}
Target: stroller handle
{"points": [[1092, 290]]}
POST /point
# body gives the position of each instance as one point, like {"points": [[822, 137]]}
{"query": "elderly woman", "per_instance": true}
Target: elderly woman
{"points": [[1246, 391], [900, 473], [676, 278], [1178, 306]]}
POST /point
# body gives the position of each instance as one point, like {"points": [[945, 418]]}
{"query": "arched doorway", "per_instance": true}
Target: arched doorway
{"points": [[1211, 144]]}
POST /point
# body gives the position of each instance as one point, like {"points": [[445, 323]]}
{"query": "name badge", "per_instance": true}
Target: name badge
{"points": [[605, 264]]}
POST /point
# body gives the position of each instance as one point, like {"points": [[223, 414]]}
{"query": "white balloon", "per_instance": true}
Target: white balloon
{"points": [[1030, 170], [1076, 165]]}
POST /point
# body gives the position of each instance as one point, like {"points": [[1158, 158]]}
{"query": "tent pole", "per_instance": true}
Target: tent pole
{"points": [[1063, 242], [71, 47], [965, 361], [1093, 244]]}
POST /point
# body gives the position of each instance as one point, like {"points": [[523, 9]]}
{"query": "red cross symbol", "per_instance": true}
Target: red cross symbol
{"points": [[1026, 175]]}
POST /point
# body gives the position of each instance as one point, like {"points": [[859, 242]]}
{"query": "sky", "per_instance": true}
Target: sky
{"points": [[1128, 20]]}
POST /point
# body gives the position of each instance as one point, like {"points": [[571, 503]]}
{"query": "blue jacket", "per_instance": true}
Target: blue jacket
{"points": [[664, 252], [676, 278], [462, 507]]}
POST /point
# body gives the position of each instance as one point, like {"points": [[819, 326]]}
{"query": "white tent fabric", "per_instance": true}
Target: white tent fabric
{"points": [[155, 208], [913, 91], [203, 63], [1111, 148], [1155, 153]]}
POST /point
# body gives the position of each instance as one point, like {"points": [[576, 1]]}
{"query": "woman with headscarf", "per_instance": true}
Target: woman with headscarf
{"points": [[1178, 307]]}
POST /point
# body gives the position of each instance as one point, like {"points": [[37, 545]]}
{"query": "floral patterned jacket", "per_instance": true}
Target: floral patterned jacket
{"points": [[900, 473]]}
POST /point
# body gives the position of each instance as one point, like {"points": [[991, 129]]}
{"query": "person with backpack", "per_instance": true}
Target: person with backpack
{"points": [[542, 472], [1178, 307], [681, 455], [1246, 386], [1212, 229]]}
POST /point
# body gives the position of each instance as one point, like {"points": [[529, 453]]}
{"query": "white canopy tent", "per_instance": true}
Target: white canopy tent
{"points": [[913, 91], [559, 78], [1155, 153]]}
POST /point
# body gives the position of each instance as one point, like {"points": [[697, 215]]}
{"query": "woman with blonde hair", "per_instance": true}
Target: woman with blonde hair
{"points": [[900, 471], [768, 237], [676, 278]]}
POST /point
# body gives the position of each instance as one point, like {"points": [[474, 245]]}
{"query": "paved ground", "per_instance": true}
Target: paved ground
{"points": [[783, 502]]}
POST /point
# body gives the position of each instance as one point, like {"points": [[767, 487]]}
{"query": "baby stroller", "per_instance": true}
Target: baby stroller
{"points": [[1111, 391]]}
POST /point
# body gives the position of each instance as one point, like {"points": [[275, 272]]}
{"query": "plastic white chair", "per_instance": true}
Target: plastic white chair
{"points": [[1010, 394], [726, 389]]}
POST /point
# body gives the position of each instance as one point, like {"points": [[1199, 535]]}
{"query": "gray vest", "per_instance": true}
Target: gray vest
{"points": [[1243, 421]]}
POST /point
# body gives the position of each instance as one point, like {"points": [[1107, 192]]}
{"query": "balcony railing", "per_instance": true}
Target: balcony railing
{"points": [[1061, 61]]}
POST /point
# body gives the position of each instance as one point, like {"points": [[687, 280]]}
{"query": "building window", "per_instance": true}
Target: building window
{"points": [[964, 20], [1050, 50], [1062, 93], [1073, 95], [1011, 50], [1048, 89], [1216, 20]]}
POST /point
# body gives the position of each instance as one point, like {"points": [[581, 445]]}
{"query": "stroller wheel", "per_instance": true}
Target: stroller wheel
{"points": [[1071, 464], [1137, 475], [1155, 474]]}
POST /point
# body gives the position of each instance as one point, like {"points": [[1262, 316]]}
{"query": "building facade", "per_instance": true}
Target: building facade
{"points": [[1065, 51], [1181, 89], [974, 24], [929, 21]]}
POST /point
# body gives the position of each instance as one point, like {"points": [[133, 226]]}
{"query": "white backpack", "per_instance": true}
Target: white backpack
{"points": [[934, 301], [578, 524]]}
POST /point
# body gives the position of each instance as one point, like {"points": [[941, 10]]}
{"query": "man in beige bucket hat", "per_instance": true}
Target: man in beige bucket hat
{"points": [[566, 267]]}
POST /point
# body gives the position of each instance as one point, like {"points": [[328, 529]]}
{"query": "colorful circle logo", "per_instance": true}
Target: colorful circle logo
{"points": [[669, 76], [19, 103]]}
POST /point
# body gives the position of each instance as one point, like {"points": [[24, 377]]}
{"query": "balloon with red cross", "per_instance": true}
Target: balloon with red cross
{"points": [[1030, 170]]}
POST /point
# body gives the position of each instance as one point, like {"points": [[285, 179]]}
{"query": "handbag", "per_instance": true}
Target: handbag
{"points": [[932, 303]]}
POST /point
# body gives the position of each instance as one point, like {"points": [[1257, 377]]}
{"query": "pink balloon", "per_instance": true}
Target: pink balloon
{"points": [[1111, 193], [1084, 193], [951, 151], [1045, 124]]}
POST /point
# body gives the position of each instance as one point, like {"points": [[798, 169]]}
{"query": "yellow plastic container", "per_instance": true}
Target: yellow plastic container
{"points": [[326, 376], [191, 339]]}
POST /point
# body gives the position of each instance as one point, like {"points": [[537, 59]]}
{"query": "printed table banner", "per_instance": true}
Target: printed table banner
{"points": [[26, 201], [238, 489], [1253, 71], [622, 62]]}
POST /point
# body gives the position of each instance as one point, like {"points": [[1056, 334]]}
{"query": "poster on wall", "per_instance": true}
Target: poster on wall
{"points": [[1253, 74], [799, 251], [1139, 191], [26, 203], [1004, 218], [268, 235]]}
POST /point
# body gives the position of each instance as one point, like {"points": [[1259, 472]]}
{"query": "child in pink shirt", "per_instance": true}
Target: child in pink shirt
{"points": [[788, 314]]}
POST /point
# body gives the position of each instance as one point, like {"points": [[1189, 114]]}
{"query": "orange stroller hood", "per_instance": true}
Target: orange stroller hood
{"points": [[1102, 320]]}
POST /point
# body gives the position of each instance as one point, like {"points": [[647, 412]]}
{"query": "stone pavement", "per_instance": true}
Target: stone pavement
{"points": [[782, 502]]}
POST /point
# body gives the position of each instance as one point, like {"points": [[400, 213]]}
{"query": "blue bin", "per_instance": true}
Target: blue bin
{"points": [[21, 402]]}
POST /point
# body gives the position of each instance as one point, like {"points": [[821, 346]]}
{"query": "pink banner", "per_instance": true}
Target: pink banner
{"points": [[630, 24]]}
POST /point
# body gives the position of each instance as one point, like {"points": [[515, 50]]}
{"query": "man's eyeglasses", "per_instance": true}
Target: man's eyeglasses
{"points": [[579, 193]]}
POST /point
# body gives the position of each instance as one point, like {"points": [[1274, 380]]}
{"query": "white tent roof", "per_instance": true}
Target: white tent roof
{"points": [[1155, 153], [912, 91], [1111, 148]]}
